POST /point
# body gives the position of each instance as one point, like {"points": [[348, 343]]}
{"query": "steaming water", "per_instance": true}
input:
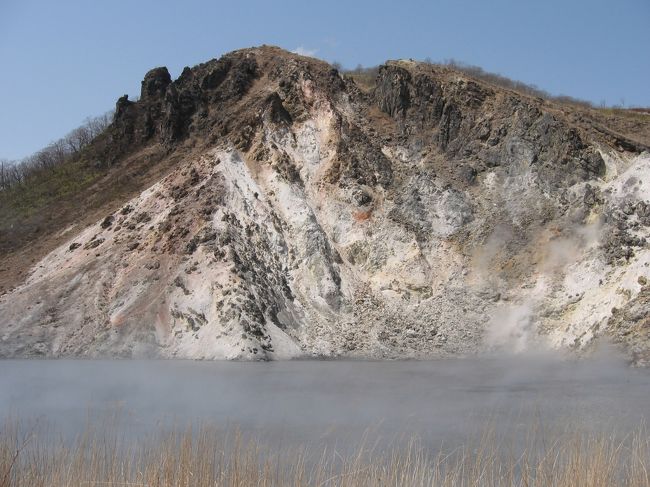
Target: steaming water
{"points": [[311, 402]]}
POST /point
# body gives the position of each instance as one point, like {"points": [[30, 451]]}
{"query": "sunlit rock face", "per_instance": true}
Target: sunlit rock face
{"points": [[434, 215]]}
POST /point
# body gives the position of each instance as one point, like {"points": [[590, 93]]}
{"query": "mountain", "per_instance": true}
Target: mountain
{"points": [[264, 206]]}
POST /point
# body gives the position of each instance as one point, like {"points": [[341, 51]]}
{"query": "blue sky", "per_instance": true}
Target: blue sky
{"points": [[64, 60]]}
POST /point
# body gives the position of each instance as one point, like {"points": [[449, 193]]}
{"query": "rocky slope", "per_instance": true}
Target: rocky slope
{"points": [[434, 215]]}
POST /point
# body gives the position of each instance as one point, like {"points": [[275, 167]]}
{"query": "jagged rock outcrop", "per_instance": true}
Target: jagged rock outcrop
{"points": [[435, 215], [487, 127]]}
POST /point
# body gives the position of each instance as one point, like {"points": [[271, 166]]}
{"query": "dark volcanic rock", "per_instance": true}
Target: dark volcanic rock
{"points": [[472, 122], [169, 110], [360, 160], [392, 92], [449, 127], [155, 84]]}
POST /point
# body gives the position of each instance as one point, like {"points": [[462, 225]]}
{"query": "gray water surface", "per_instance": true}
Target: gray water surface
{"points": [[314, 401]]}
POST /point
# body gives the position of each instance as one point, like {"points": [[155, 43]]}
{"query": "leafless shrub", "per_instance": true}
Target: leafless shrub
{"points": [[15, 173], [518, 86]]}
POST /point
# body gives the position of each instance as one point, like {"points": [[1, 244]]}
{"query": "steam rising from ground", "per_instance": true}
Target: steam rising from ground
{"points": [[329, 402], [513, 326]]}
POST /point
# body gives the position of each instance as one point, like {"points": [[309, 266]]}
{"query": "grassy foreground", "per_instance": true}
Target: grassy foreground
{"points": [[206, 457]]}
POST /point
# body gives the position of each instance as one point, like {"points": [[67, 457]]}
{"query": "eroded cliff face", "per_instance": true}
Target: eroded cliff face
{"points": [[434, 216]]}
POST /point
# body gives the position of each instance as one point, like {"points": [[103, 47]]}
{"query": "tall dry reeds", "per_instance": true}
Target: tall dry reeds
{"points": [[203, 457]]}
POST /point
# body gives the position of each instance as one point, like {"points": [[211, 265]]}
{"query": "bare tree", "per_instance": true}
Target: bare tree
{"points": [[11, 173], [14, 173], [4, 173], [505, 82], [78, 139]]}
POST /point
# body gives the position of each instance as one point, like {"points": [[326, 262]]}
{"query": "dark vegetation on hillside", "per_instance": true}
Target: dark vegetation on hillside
{"points": [[34, 191], [69, 182], [31, 189], [44, 162]]}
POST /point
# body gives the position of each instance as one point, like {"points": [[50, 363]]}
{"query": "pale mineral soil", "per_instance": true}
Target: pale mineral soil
{"points": [[437, 216]]}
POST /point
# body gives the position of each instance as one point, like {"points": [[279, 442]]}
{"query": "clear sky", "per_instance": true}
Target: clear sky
{"points": [[64, 60]]}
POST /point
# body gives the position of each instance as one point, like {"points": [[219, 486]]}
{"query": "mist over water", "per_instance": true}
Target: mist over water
{"points": [[331, 402]]}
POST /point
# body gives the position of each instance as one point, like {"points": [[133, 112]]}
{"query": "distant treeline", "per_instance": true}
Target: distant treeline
{"points": [[15, 173], [367, 75], [505, 82]]}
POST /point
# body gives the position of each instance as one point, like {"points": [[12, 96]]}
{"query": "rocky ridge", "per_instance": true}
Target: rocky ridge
{"points": [[435, 215]]}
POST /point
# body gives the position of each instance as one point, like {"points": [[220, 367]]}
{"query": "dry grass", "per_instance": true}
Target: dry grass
{"points": [[204, 457]]}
